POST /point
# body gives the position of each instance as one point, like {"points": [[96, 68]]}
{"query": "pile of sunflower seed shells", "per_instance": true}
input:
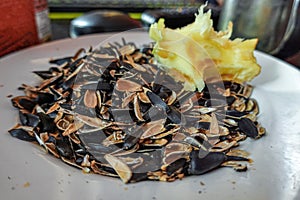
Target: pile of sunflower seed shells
{"points": [[114, 112]]}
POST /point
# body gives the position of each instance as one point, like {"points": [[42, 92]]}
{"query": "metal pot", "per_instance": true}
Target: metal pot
{"points": [[274, 22]]}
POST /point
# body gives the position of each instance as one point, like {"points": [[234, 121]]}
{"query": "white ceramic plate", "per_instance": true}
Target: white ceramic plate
{"points": [[27, 172]]}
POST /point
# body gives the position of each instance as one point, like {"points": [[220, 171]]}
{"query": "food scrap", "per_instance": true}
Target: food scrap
{"points": [[187, 52], [27, 184], [114, 111], [143, 130]]}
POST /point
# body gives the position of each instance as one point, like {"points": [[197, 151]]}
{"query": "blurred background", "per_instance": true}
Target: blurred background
{"points": [[59, 19], [177, 12]]}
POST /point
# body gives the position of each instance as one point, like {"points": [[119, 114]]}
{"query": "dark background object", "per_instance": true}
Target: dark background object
{"points": [[60, 27], [177, 17], [123, 5], [174, 18], [61, 10], [102, 21], [292, 45]]}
